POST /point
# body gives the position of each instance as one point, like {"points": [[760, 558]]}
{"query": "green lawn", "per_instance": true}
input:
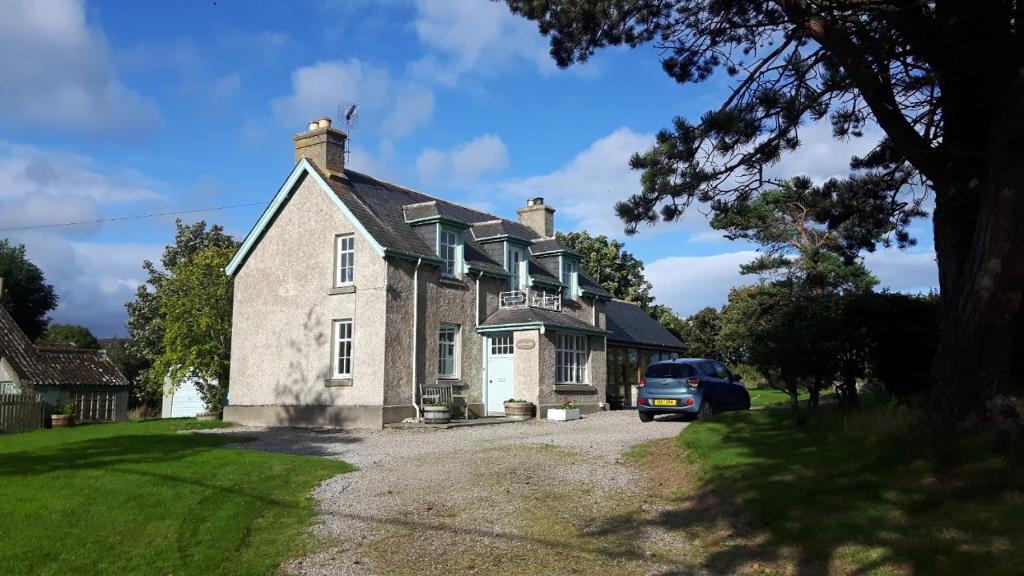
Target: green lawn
{"points": [[845, 495], [769, 397], [142, 498]]}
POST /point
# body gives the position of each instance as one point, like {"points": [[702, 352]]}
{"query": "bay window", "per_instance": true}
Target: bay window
{"points": [[572, 354]]}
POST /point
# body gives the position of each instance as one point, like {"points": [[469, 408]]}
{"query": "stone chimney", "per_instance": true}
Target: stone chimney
{"points": [[323, 146], [538, 217]]}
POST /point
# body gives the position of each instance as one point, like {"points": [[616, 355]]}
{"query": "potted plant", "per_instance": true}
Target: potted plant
{"points": [[565, 411], [519, 409], [66, 418], [437, 413]]}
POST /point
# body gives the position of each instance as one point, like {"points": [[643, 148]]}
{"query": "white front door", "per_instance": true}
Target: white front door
{"points": [[500, 372]]}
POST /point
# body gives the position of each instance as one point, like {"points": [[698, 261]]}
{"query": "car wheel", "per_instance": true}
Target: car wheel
{"points": [[707, 410], [645, 416]]}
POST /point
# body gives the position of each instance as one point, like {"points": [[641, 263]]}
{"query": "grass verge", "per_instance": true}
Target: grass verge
{"points": [[848, 494], [140, 498]]}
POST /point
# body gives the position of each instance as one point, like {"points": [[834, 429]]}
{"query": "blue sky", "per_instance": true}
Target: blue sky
{"points": [[120, 108]]}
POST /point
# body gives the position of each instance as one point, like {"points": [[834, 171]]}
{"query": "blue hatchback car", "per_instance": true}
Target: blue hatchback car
{"points": [[694, 386]]}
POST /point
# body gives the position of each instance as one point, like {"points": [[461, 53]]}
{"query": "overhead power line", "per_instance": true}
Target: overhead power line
{"points": [[124, 218]]}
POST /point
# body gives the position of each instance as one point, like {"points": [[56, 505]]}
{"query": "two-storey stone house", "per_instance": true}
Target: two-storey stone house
{"points": [[350, 293]]}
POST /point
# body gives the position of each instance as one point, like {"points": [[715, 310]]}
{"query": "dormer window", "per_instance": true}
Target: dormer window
{"points": [[570, 277], [515, 264], [449, 248]]}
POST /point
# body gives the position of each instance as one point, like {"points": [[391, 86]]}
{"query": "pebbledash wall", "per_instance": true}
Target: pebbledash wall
{"points": [[285, 303]]}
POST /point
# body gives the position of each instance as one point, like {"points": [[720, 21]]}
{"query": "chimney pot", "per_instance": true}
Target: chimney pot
{"points": [[322, 145], [538, 217]]}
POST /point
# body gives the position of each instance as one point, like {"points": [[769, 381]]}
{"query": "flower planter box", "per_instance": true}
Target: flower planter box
{"points": [[59, 421], [207, 416], [437, 415], [561, 415], [519, 410]]}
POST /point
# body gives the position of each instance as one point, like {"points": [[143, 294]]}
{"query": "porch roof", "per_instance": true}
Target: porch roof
{"points": [[534, 318]]}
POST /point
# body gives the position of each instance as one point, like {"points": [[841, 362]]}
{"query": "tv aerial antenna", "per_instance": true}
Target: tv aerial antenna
{"points": [[348, 116]]}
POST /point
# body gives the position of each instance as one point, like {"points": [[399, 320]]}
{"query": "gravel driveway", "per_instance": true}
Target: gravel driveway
{"points": [[532, 497]]}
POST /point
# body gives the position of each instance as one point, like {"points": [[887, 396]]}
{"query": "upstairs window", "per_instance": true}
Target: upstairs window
{"points": [[448, 248], [569, 277], [345, 260], [514, 264]]}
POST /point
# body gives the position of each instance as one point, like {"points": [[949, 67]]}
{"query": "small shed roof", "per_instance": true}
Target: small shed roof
{"points": [[54, 365]]}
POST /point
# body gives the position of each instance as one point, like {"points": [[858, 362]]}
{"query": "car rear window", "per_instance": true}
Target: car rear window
{"points": [[658, 371], [669, 371]]}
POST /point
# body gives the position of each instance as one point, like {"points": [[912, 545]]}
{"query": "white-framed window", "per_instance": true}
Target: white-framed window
{"points": [[342, 361], [344, 259], [448, 351], [514, 264], [571, 357], [570, 271], [502, 345], [448, 249]]}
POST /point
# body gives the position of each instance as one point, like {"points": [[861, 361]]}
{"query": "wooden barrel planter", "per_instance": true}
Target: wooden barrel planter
{"points": [[60, 421], [437, 414], [519, 410]]}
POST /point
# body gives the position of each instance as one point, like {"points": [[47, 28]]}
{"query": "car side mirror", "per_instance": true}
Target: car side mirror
{"points": [[737, 378]]}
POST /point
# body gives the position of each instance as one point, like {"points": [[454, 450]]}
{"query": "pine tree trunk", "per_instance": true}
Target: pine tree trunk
{"points": [[979, 236]]}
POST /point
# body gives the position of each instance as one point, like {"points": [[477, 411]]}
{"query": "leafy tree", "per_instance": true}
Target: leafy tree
{"points": [[25, 294], [900, 335], [796, 228], [701, 334], [78, 336], [941, 79], [196, 319], [668, 318], [617, 270], [145, 321], [130, 364], [784, 332]]}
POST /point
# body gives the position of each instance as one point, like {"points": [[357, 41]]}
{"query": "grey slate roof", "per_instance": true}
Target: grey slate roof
{"points": [[629, 324], [550, 318], [550, 245], [54, 366], [385, 210]]}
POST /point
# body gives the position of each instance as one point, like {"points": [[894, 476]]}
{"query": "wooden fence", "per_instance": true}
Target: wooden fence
{"points": [[100, 406], [21, 412]]}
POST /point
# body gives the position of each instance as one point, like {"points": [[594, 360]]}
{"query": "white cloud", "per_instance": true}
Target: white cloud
{"points": [[473, 35], [463, 164], [820, 156], [41, 187], [92, 281], [44, 187], [585, 189], [57, 73], [414, 107], [318, 89], [689, 283], [904, 271]]}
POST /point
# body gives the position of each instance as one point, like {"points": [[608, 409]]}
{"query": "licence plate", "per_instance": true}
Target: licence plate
{"points": [[663, 402]]}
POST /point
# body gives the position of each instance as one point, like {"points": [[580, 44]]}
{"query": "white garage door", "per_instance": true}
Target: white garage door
{"points": [[186, 402]]}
